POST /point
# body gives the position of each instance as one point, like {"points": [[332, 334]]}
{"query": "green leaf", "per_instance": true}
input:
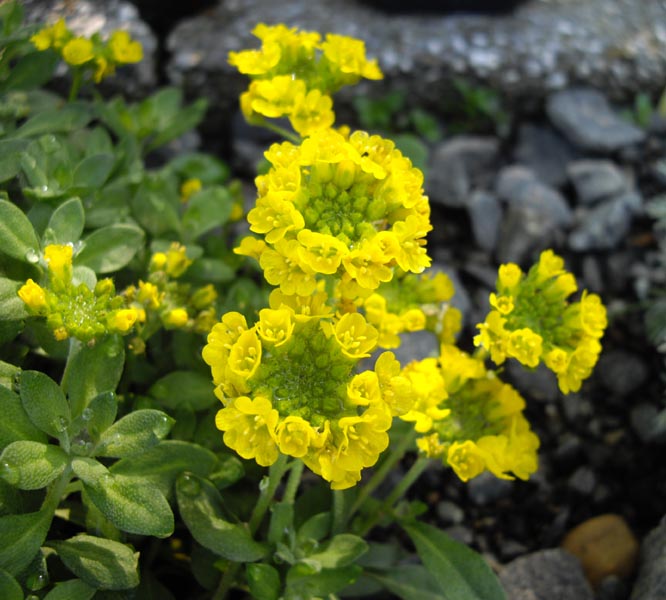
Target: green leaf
{"points": [[206, 210], [12, 308], [341, 551], [91, 371], [410, 582], [70, 117], [281, 523], [197, 165], [302, 582], [316, 527], [200, 507], [460, 572], [134, 433], [188, 118], [31, 71], [211, 270], [32, 465], [10, 158], [66, 223], [184, 389], [17, 237], [110, 248], [44, 402], [93, 171], [15, 424], [74, 589], [10, 589], [264, 581], [156, 203], [22, 536], [161, 464], [130, 503], [101, 563], [100, 414]]}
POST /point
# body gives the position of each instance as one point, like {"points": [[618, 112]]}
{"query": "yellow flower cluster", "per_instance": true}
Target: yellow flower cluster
{"points": [[74, 310], [161, 301], [288, 386], [101, 56], [468, 418], [348, 207], [411, 303], [532, 321], [294, 74]]}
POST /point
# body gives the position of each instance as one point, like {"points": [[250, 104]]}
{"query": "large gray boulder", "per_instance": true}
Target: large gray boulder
{"points": [[615, 46]]}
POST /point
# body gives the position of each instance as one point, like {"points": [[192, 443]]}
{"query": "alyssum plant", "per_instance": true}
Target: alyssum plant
{"points": [[111, 422]]}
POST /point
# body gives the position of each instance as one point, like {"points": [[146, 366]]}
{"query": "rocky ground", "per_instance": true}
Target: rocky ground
{"points": [[565, 169]]}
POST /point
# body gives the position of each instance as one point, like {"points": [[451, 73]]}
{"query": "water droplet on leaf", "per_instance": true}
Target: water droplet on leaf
{"points": [[32, 256], [8, 473]]}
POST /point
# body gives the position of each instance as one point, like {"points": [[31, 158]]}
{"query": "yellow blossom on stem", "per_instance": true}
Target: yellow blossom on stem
{"points": [[78, 51], [124, 49], [34, 296]]}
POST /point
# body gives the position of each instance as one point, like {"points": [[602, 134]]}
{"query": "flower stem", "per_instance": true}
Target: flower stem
{"points": [[395, 455], [293, 482], [282, 131], [268, 487], [77, 80], [339, 517], [396, 494]]}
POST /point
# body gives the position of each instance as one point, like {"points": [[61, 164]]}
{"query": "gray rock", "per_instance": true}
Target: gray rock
{"points": [[520, 187], [450, 513], [545, 575], [596, 180], [461, 534], [458, 165], [582, 481], [648, 422], [621, 372], [545, 152], [539, 383], [651, 580], [485, 215], [486, 488], [586, 119], [606, 224], [86, 17], [616, 46], [416, 345]]}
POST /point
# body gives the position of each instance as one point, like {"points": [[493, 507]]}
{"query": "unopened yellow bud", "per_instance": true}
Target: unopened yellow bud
{"points": [[158, 261], [105, 287], [204, 297], [60, 334], [176, 260], [122, 320], [33, 295], [176, 317], [189, 188]]}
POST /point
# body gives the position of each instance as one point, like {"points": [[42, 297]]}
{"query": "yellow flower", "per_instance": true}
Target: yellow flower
{"points": [[52, 36], [312, 112], [275, 326], [78, 51], [355, 336], [281, 267], [295, 436], [158, 261], [245, 354], [503, 304], [33, 295], [364, 389], [124, 49], [220, 341], [465, 459], [59, 260], [508, 277], [189, 187], [321, 252], [526, 346], [249, 428], [176, 317], [348, 54], [274, 217], [149, 294], [123, 320], [176, 260]]}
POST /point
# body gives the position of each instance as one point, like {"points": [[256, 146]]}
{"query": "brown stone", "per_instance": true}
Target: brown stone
{"points": [[605, 546]]}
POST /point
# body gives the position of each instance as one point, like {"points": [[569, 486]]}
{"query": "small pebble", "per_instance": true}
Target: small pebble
{"points": [[605, 546]]}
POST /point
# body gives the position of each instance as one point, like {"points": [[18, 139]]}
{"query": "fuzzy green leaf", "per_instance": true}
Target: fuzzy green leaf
{"points": [[15, 424], [44, 402], [22, 536], [92, 371], [134, 433], [70, 117], [264, 581], [31, 71], [161, 464], [101, 563], [409, 582], [32, 465], [110, 248], [200, 507], [100, 414], [10, 589], [66, 223], [74, 589], [341, 551], [184, 389], [130, 503], [460, 572], [206, 210], [10, 157], [17, 236], [12, 308], [93, 171], [304, 582]]}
